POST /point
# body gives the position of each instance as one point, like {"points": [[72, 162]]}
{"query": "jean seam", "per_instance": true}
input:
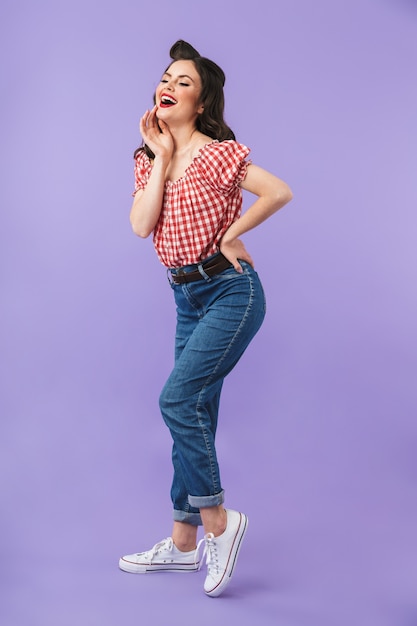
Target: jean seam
{"points": [[210, 378], [192, 301]]}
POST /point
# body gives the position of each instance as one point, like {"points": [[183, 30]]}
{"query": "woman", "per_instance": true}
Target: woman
{"points": [[189, 174]]}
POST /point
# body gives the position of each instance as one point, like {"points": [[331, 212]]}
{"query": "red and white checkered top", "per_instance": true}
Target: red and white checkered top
{"points": [[199, 207]]}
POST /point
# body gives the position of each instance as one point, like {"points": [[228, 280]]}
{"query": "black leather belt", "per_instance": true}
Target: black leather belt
{"points": [[210, 268]]}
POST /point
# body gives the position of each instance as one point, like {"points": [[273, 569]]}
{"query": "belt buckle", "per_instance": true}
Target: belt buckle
{"points": [[171, 276], [178, 273]]}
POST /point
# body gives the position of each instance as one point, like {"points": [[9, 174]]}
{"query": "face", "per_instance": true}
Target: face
{"points": [[178, 93]]}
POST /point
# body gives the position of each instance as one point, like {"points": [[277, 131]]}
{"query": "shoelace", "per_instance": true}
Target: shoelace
{"points": [[210, 552], [165, 544]]}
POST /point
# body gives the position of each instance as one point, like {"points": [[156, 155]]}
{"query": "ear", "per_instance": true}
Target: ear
{"points": [[200, 109]]}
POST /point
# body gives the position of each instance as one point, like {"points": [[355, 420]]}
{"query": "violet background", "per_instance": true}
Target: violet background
{"points": [[318, 430]]}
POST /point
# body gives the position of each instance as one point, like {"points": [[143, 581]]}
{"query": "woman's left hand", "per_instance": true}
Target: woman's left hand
{"points": [[234, 250]]}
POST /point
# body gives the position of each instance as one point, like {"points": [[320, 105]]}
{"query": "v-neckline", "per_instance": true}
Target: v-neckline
{"points": [[197, 156]]}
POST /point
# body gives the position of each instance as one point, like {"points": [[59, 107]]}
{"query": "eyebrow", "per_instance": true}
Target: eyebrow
{"points": [[180, 76]]}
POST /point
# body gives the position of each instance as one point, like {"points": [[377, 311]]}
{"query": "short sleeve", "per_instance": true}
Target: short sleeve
{"points": [[223, 164], [142, 170]]}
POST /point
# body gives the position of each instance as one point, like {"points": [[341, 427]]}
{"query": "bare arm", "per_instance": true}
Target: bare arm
{"points": [[273, 193], [147, 203]]}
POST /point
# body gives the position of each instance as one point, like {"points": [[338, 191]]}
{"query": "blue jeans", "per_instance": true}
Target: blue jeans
{"points": [[216, 319]]}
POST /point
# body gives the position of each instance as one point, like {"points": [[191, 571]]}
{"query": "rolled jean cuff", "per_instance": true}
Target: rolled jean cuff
{"points": [[203, 502], [188, 518]]}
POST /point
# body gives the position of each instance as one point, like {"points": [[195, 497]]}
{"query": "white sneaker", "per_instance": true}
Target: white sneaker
{"points": [[222, 553], [163, 557]]}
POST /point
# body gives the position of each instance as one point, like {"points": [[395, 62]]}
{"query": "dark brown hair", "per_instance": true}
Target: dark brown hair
{"points": [[211, 121]]}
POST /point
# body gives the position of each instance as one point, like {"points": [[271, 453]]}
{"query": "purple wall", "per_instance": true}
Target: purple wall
{"points": [[318, 429]]}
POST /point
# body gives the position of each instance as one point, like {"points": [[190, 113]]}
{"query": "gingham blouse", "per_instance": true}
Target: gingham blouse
{"points": [[199, 207]]}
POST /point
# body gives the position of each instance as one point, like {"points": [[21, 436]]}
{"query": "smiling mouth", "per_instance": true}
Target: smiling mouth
{"points": [[167, 101]]}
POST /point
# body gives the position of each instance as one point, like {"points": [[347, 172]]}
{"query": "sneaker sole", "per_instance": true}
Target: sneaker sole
{"points": [[234, 553], [135, 568]]}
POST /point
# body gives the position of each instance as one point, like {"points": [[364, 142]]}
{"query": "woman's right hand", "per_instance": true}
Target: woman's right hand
{"points": [[156, 134]]}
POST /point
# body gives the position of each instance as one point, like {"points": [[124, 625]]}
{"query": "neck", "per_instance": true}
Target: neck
{"points": [[184, 137]]}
